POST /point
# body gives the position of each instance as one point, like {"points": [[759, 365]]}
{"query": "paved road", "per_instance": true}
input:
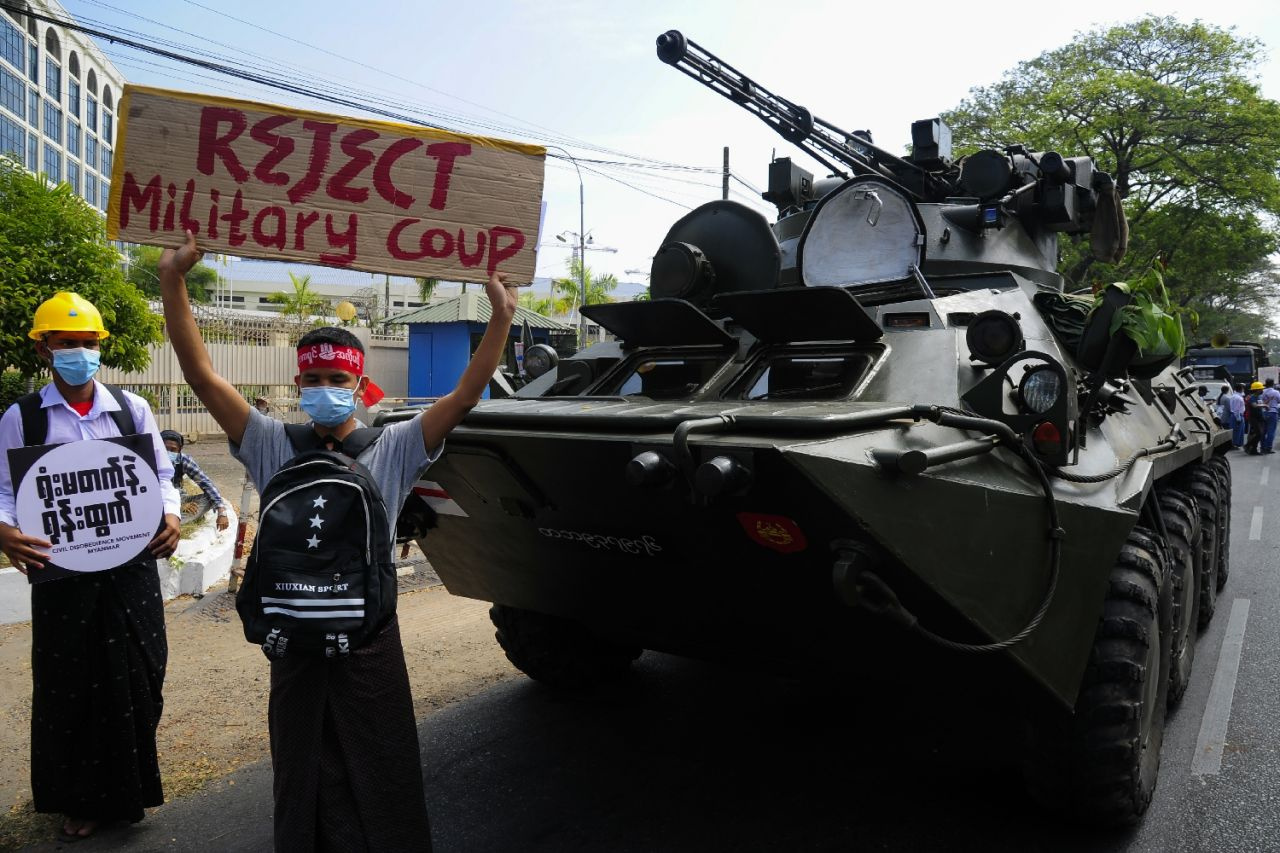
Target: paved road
{"points": [[691, 757]]}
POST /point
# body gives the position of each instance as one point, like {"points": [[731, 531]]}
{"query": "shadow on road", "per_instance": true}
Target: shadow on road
{"points": [[691, 757], [686, 756]]}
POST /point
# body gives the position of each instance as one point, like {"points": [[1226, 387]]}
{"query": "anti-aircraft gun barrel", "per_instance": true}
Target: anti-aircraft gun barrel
{"points": [[822, 140]]}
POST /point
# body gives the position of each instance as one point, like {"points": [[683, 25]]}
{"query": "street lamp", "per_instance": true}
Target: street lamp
{"points": [[582, 244]]}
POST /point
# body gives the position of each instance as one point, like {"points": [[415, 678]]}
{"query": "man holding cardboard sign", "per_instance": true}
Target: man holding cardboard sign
{"points": [[89, 513], [344, 744]]}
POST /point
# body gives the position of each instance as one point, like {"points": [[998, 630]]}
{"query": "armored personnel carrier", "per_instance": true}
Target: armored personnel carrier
{"points": [[872, 437]]}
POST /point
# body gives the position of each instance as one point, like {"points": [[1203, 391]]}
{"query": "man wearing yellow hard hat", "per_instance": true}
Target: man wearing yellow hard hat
{"points": [[1257, 419], [98, 640]]}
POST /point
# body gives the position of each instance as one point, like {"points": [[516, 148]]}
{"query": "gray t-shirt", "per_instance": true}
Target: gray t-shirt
{"points": [[395, 461]]}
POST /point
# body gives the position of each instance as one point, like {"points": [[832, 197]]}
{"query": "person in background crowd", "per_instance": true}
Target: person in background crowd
{"points": [[183, 464], [99, 648], [1271, 404], [1257, 419], [262, 404], [1239, 424], [1222, 406]]}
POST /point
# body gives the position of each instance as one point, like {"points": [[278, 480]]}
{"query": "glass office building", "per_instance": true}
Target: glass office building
{"points": [[58, 97]]}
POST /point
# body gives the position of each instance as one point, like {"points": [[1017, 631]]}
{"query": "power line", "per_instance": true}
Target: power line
{"points": [[387, 73], [215, 66], [336, 93], [261, 76], [398, 98], [637, 189], [746, 184]]}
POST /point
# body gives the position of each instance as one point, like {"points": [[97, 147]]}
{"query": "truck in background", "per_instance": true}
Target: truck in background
{"points": [[1242, 359]]}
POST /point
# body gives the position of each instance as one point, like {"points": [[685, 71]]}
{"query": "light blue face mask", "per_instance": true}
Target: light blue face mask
{"points": [[327, 405], [173, 456], [76, 366]]}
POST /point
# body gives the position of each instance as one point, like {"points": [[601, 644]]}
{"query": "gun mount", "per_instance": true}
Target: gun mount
{"points": [[1043, 193], [823, 140], [880, 219]]}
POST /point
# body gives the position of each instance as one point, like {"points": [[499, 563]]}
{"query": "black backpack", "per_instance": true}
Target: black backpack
{"points": [[321, 577]]}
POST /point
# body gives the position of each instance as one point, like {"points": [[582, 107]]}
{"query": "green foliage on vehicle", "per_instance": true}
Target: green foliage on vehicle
{"points": [[1150, 320]]}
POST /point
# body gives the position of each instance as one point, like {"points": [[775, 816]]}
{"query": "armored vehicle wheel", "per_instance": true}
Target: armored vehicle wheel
{"points": [[1213, 499], [1221, 465], [558, 652], [1222, 470], [1100, 765], [1182, 526]]}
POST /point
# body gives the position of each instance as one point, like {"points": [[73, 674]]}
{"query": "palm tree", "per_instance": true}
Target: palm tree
{"points": [[302, 303], [535, 303], [426, 287], [597, 288]]}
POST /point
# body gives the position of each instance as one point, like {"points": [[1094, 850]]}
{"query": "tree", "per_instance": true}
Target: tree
{"points": [[302, 303], [426, 287], [1218, 267], [50, 240], [569, 289], [142, 274], [535, 303], [1174, 113]]}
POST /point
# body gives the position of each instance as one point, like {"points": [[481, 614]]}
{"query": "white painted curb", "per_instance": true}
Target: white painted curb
{"points": [[203, 560]]}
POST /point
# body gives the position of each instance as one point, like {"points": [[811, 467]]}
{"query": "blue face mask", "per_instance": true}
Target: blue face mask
{"points": [[76, 366], [327, 405], [173, 456]]}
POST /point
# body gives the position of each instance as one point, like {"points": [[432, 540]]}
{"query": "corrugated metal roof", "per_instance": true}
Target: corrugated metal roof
{"points": [[473, 308]]}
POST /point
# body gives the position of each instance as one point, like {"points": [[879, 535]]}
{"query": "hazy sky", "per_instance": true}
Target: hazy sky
{"points": [[586, 72]]}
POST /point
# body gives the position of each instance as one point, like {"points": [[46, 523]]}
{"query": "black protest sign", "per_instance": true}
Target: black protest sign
{"points": [[96, 501]]}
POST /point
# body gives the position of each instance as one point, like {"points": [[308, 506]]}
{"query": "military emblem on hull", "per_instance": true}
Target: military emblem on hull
{"points": [[773, 531]]}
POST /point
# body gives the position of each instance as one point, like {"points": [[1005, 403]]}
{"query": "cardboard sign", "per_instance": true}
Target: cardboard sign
{"points": [[97, 501], [284, 184]]}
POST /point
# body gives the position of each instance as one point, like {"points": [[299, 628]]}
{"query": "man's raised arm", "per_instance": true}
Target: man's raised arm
{"points": [[449, 410], [219, 396]]}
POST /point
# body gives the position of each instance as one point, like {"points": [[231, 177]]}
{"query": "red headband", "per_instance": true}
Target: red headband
{"points": [[341, 358], [328, 355]]}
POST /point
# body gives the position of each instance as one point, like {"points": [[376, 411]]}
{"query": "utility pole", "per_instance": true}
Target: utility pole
{"points": [[579, 248], [724, 182], [582, 261]]}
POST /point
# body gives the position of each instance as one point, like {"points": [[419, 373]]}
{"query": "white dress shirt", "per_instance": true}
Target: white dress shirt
{"points": [[65, 424]]}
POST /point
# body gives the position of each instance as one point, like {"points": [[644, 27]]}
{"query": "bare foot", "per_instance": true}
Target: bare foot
{"points": [[75, 828]]}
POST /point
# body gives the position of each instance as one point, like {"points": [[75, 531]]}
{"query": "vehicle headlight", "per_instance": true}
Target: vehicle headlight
{"points": [[993, 337], [1040, 389], [539, 359]]}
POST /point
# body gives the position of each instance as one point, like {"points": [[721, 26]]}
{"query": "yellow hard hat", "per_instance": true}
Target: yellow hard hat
{"points": [[1257, 386], [67, 312]]}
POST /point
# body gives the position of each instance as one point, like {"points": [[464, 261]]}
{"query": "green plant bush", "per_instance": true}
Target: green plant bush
{"points": [[12, 386]]}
